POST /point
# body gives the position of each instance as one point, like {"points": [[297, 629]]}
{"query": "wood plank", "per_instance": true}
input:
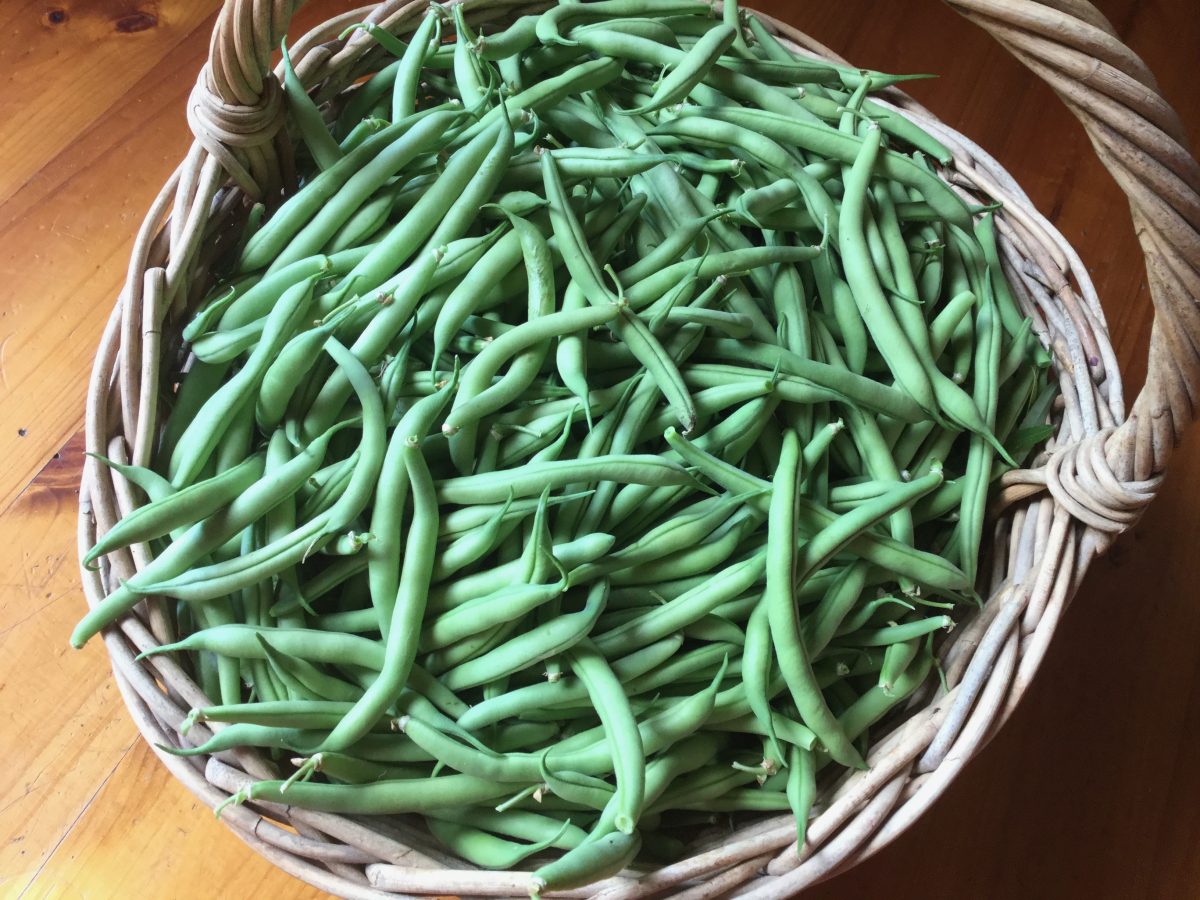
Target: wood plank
{"points": [[1090, 792], [67, 229], [88, 57], [67, 732], [142, 806], [65, 238]]}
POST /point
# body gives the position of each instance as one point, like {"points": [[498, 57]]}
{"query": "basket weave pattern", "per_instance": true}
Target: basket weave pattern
{"points": [[1092, 481]]}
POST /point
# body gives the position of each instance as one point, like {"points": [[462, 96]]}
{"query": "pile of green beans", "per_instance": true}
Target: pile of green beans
{"points": [[597, 441]]}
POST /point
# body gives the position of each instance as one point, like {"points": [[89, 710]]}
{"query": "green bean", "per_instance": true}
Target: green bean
{"points": [[528, 480], [470, 73], [691, 70], [297, 357], [484, 849], [316, 136], [207, 317], [200, 437], [722, 76], [330, 484], [689, 561], [683, 530], [282, 714], [478, 763], [652, 29], [756, 673], [391, 492], [784, 571], [475, 397], [877, 314], [541, 642], [702, 787], [382, 798], [755, 799], [205, 536], [300, 208], [685, 609], [625, 165], [570, 554], [673, 246], [314, 646], [473, 546], [424, 41], [499, 259], [442, 213], [627, 326], [586, 76], [550, 25], [477, 179], [353, 621], [486, 612], [520, 824], [980, 454], [606, 855], [621, 730], [761, 201], [652, 287], [304, 677], [221, 578], [547, 694], [424, 136], [516, 39], [896, 659], [891, 634], [857, 389], [458, 522], [360, 132], [183, 507], [407, 612], [875, 703], [944, 324], [832, 144], [248, 735], [473, 401]]}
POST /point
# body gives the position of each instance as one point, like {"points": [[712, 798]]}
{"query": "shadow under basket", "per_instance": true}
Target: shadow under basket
{"points": [[1091, 480]]}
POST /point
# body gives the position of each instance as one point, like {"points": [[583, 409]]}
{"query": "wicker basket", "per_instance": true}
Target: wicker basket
{"points": [[1092, 481]]}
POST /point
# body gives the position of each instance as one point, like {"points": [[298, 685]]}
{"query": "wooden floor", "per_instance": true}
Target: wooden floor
{"points": [[1093, 789]]}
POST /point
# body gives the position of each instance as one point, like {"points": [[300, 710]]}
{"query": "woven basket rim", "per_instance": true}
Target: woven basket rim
{"points": [[1055, 518]]}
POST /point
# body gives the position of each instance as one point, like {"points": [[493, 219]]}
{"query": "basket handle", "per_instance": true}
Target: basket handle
{"points": [[1141, 142], [236, 111]]}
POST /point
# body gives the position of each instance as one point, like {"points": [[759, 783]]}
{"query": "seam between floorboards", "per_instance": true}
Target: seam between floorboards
{"points": [[70, 828]]}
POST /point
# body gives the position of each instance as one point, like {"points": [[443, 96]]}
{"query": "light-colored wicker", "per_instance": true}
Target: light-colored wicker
{"points": [[1091, 482]]}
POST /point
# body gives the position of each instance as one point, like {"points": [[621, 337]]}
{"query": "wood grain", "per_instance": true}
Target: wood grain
{"points": [[1091, 791]]}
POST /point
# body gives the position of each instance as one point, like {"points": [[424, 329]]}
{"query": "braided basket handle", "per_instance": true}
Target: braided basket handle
{"points": [[236, 109], [236, 112], [1142, 143]]}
